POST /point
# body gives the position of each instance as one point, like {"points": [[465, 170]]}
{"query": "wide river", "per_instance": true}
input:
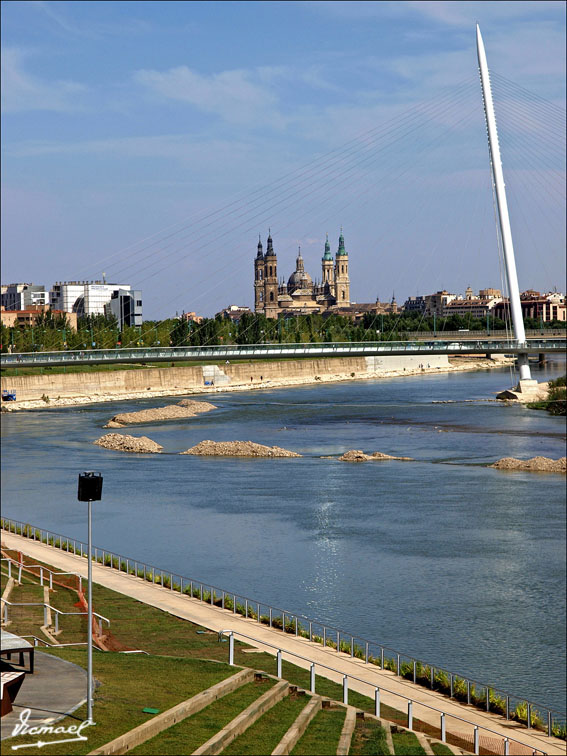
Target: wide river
{"points": [[443, 558]]}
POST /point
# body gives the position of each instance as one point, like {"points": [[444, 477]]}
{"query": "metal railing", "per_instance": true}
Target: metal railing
{"points": [[420, 672], [37, 641], [531, 333], [48, 608], [444, 717], [263, 351], [42, 571]]}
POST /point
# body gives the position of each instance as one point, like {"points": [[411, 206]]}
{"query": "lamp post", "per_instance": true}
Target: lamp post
{"points": [[90, 489]]}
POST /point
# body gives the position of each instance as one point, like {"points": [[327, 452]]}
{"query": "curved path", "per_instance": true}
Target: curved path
{"points": [[218, 619], [56, 688]]}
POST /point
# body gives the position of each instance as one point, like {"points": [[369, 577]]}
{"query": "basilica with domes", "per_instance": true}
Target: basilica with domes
{"points": [[300, 295]]}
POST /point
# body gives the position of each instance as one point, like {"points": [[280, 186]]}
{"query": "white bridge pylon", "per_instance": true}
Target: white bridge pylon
{"points": [[503, 216]]}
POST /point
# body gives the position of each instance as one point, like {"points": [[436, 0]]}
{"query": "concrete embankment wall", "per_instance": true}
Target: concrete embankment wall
{"points": [[29, 387]]}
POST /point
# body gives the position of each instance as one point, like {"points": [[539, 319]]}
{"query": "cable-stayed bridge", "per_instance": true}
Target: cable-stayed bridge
{"points": [[464, 346], [362, 172]]}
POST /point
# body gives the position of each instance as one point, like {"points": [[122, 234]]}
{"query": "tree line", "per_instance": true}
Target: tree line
{"points": [[53, 332]]}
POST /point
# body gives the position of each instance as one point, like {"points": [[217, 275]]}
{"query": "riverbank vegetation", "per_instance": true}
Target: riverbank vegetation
{"points": [[556, 402], [53, 332]]}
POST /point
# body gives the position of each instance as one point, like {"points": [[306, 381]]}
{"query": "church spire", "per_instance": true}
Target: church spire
{"points": [[327, 255], [341, 250], [260, 248], [270, 249]]}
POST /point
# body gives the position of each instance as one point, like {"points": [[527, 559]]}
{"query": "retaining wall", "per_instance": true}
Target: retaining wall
{"points": [[54, 385]]}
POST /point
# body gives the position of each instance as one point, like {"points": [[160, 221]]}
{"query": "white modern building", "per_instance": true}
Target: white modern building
{"points": [[83, 297], [126, 306], [20, 296]]}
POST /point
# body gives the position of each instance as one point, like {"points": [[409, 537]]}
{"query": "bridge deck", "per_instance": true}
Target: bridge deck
{"points": [[273, 351]]}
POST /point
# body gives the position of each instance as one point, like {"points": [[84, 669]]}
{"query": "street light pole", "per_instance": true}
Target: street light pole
{"points": [[90, 489], [90, 620]]}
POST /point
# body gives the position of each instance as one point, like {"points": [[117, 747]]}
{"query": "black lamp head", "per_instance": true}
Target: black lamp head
{"points": [[90, 486]]}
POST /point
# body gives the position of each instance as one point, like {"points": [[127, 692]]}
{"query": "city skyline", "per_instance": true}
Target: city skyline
{"points": [[121, 122]]}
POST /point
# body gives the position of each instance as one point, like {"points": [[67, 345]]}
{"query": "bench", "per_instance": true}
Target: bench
{"points": [[13, 644], [11, 684]]}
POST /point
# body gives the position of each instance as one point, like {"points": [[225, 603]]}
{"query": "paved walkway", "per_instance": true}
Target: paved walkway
{"points": [[218, 619], [55, 689]]}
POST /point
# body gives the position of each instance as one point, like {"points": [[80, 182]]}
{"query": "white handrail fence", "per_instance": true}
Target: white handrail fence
{"points": [[444, 717], [425, 674]]}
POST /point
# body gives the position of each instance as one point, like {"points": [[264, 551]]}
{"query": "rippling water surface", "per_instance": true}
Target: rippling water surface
{"points": [[443, 558]]}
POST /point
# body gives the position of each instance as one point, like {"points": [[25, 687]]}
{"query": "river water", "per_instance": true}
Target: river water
{"points": [[442, 558]]}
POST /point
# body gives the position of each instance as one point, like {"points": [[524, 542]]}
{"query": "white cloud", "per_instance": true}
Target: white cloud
{"points": [[168, 146], [92, 29], [466, 14], [21, 91], [238, 96], [454, 13]]}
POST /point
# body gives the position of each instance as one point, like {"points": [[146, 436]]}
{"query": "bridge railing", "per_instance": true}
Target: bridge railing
{"points": [[259, 351], [420, 672], [543, 333]]}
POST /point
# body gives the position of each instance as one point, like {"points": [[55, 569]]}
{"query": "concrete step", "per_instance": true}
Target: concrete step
{"points": [[324, 730], [244, 720], [176, 714], [346, 734], [426, 741], [287, 743], [213, 374]]}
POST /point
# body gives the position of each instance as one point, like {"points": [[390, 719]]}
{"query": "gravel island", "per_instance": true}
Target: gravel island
{"points": [[355, 455], [184, 408], [125, 443], [535, 464], [238, 449]]}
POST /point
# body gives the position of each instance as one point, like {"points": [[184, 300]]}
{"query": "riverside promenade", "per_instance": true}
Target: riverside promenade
{"points": [[391, 687]]}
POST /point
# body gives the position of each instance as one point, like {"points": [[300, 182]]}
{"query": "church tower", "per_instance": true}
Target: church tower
{"points": [[270, 281], [328, 277], [342, 281], [259, 275]]}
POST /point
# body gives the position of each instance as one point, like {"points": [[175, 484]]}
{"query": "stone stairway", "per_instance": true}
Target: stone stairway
{"points": [[213, 375], [315, 723]]}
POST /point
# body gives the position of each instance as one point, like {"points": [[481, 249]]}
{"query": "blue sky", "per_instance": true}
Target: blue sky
{"points": [[125, 124]]}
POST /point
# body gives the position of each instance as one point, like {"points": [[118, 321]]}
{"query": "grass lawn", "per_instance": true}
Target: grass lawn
{"points": [[406, 744], [129, 684], [26, 619], [368, 739], [266, 733], [322, 735], [192, 732], [440, 749], [135, 625]]}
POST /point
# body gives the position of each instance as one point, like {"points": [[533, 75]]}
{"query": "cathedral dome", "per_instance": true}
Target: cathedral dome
{"points": [[300, 279]]}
